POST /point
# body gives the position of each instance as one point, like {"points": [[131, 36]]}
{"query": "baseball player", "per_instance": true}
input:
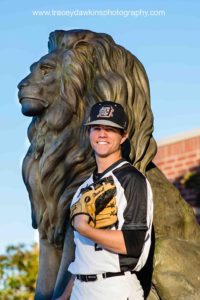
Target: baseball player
{"points": [[111, 214]]}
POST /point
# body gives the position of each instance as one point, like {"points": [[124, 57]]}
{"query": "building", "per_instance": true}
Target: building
{"points": [[179, 159]]}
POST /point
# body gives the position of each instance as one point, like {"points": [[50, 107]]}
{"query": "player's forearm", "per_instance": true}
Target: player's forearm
{"points": [[112, 240]]}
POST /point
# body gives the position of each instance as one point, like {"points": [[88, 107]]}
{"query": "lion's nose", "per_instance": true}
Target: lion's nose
{"points": [[23, 83]]}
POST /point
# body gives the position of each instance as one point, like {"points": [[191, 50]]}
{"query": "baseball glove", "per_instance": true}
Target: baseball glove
{"points": [[98, 202]]}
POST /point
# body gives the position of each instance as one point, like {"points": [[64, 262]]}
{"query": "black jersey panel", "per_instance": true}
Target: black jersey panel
{"points": [[135, 214], [134, 241], [135, 189], [127, 263]]}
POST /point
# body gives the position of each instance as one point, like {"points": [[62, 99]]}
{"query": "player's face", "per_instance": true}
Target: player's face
{"points": [[106, 141]]}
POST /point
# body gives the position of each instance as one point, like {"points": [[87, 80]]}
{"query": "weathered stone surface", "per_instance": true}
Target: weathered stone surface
{"points": [[176, 272]]}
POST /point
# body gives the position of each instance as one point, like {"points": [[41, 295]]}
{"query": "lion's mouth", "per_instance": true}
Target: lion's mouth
{"points": [[28, 99]]}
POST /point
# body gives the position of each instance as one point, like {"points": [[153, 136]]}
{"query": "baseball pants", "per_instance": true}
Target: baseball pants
{"points": [[125, 287]]}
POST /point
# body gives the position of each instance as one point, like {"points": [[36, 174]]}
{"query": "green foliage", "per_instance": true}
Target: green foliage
{"points": [[192, 181], [18, 272]]}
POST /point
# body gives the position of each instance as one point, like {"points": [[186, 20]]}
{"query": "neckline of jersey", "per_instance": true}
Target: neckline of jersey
{"points": [[97, 176]]}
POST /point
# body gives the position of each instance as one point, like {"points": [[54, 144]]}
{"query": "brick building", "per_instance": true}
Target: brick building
{"points": [[179, 159]]}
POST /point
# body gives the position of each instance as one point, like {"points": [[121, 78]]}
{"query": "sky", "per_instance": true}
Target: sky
{"points": [[168, 45]]}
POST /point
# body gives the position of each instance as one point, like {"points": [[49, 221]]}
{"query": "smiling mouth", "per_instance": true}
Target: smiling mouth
{"points": [[102, 143]]}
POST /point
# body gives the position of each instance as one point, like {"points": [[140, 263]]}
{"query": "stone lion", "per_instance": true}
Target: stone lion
{"points": [[82, 68]]}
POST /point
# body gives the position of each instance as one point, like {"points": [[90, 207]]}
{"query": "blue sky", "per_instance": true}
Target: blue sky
{"points": [[168, 46]]}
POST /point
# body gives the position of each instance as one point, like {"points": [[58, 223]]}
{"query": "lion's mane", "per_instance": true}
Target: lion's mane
{"points": [[94, 68]]}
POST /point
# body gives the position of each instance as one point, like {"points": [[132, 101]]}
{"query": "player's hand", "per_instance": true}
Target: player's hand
{"points": [[98, 201], [80, 222]]}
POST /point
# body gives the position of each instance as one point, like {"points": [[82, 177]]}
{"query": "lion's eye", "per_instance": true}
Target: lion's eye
{"points": [[45, 69]]}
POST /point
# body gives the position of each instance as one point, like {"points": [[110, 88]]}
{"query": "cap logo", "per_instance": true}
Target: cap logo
{"points": [[106, 112]]}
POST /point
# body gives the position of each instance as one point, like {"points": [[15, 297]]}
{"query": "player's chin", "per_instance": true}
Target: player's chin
{"points": [[102, 153]]}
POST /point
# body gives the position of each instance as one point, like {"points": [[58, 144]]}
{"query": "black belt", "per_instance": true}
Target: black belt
{"points": [[94, 277]]}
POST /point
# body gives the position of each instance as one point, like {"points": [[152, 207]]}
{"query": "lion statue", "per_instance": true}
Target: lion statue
{"points": [[82, 68]]}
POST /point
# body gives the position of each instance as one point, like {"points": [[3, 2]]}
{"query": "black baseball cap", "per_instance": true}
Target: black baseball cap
{"points": [[108, 113]]}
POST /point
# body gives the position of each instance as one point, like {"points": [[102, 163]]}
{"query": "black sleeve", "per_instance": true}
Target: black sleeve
{"points": [[135, 213], [134, 240]]}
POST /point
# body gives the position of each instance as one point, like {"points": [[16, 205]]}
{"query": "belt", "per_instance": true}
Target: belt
{"points": [[94, 277]]}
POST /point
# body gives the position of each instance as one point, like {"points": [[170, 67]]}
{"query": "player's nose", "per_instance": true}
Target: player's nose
{"points": [[102, 132]]}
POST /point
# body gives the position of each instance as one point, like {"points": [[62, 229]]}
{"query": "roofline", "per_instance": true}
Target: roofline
{"points": [[179, 137]]}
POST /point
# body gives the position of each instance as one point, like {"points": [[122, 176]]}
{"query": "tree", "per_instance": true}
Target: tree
{"points": [[18, 272], [192, 181]]}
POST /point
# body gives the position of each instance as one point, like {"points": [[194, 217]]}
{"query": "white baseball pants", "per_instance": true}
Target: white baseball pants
{"points": [[125, 287]]}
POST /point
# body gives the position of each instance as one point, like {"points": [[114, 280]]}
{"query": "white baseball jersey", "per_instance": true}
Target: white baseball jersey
{"points": [[134, 212]]}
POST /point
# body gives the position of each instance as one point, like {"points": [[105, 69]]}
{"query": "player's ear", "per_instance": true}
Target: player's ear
{"points": [[124, 137]]}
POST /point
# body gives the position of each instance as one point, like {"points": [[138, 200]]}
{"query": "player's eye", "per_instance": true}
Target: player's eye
{"points": [[111, 129], [96, 128]]}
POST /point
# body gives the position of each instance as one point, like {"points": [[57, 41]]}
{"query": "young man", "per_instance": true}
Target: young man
{"points": [[107, 259]]}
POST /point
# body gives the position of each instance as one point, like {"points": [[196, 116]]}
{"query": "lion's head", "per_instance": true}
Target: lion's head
{"points": [[82, 68]]}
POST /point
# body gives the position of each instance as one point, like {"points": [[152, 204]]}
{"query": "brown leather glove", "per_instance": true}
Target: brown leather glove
{"points": [[98, 202]]}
